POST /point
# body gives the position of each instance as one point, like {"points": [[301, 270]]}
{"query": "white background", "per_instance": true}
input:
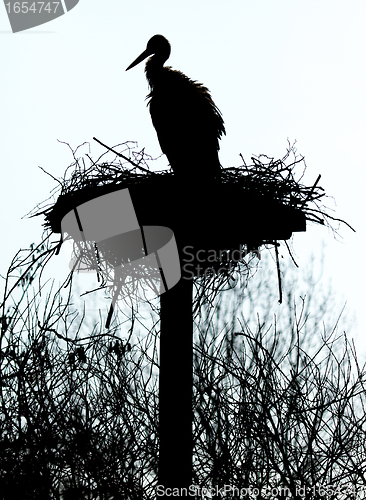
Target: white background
{"points": [[277, 70]]}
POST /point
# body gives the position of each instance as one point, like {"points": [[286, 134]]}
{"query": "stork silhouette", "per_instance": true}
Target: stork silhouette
{"points": [[187, 121]]}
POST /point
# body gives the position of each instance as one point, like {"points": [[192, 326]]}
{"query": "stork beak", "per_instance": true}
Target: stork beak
{"points": [[146, 53]]}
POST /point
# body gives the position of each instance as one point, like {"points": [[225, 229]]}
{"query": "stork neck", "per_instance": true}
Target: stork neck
{"points": [[154, 68]]}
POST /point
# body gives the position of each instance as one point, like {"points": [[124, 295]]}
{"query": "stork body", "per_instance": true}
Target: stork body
{"points": [[187, 122]]}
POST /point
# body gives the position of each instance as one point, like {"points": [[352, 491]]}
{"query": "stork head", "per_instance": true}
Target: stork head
{"points": [[157, 45]]}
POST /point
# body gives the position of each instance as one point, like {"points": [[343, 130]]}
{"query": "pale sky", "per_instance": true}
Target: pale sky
{"points": [[277, 69]]}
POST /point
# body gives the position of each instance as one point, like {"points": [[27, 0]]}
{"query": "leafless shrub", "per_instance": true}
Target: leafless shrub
{"points": [[80, 406], [274, 410]]}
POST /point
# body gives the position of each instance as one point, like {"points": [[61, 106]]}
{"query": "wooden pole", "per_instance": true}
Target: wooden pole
{"points": [[175, 389]]}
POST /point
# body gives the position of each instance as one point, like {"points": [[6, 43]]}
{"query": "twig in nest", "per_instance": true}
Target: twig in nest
{"points": [[122, 156], [278, 273], [311, 191]]}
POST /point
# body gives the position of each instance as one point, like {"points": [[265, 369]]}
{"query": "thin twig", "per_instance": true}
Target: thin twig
{"points": [[122, 156], [278, 273]]}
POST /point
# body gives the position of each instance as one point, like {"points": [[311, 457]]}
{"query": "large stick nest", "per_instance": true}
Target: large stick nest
{"points": [[277, 180], [270, 183]]}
